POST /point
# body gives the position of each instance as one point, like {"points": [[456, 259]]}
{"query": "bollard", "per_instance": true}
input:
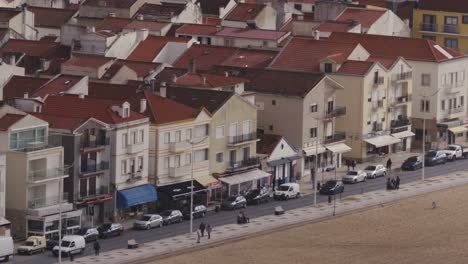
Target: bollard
{"points": [[329, 199]]}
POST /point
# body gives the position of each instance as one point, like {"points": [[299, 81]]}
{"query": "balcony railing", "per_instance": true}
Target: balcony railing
{"points": [[428, 27], [35, 143], [378, 81], [242, 138], [89, 194], [377, 127], [95, 143], [179, 171], [46, 201], [250, 162], [179, 146], [46, 174], [404, 76], [400, 122], [451, 29], [96, 167], [338, 136], [135, 148], [338, 111], [455, 110]]}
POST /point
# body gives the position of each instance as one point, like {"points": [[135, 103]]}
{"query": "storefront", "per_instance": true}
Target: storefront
{"points": [[134, 201], [48, 226], [380, 144], [177, 195], [283, 170], [243, 182], [95, 210], [311, 153], [213, 187], [337, 149], [405, 141]]}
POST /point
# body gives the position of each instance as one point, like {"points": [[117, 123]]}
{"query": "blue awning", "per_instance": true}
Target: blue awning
{"points": [[136, 195]]}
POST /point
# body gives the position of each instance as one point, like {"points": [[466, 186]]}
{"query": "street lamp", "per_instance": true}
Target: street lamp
{"points": [[423, 172], [191, 182]]}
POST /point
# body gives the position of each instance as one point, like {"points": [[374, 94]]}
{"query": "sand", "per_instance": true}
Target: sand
{"points": [[409, 231]]}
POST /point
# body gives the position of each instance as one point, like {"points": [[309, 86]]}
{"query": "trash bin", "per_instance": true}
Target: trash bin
{"points": [[131, 244]]}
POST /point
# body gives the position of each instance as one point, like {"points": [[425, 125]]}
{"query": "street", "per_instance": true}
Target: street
{"points": [[228, 217]]}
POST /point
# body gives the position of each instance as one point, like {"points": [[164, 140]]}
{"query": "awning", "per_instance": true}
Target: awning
{"points": [[252, 175], [136, 195], [458, 129], [181, 188], [206, 180], [339, 148], [381, 141], [403, 134], [283, 160], [4, 222], [313, 150]]}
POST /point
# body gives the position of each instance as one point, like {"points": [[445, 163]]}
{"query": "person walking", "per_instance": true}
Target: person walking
{"points": [[389, 165], [397, 182], [202, 229], [97, 247], [208, 230], [72, 257], [353, 164], [348, 163]]}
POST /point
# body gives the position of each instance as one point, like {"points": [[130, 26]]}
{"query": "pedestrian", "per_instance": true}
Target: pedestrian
{"points": [[97, 247], [202, 229], [353, 164], [72, 257], [348, 163], [389, 164], [208, 230], [397, 182], [198, 237]]}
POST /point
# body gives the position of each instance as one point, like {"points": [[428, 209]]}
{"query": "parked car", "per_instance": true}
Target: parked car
{"points": [[234, 202], [374, 171], [412, 163], [199, 211], [89, 234], [332, 187], [354, 176], [52, 242], [171, 216], [32, 245], [110, 230], [6, 248], [148, 221], [286, 191], [258, 196], [454, 152], [72, 244], [435, 157]]}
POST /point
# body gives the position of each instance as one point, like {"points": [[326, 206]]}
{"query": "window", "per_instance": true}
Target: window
{"points": [[425, 79], [142, 136], [167, 138], [313, 108], [462, 100], [177, 161], [219, 157], [429, 23], [425, 105], [246, 153], [126, 112], [298, 7], [313, 132], [442, 105], [140, 163], [178, 136], [124, 140], [124, 166], [188, 158], [134, 137], [201, 155], [465, 19], [166, 162], [451, 20], [433, 38], [219, 131], [273, 102], [451, 43], [189, 133], [271, 127], [328, 67], [201, 131]]}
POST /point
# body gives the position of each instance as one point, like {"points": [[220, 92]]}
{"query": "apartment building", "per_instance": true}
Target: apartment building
{"points": [[35, 172], [444, 22]]}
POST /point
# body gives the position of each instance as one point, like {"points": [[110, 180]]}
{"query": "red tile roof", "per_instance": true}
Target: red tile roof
{"points": [[142, 69], [145, 24], [250, 58], [205, 56], [116, 24], [17, 86], [387, 62], [355, 67], [110, 3], [111, 91], [197, 29], [387, 46], [207, 20], [60, 122], [8, 13], [74, 107], [244, 12], [252, 33], [367, 17], [83, 60], [198, 80], [32, 48], [8, 120], [332, 26], [51, 17], [55, 86], [456, 6], [305, 54], [302, 1], [148, 49], [267, 143]]}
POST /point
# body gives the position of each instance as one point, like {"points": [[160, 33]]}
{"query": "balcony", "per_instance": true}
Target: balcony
{"points": [[94, 143], [94, 167], [135, 148], [455, 110], [378, 81], [404, 121], [47, 201], [428, 27], [35, 144], [338, 136], [453, 29], [179, 146], [180, 171], [38, 176], [91, 194], [241, 139], [244, 164], [376, 127], [337, 112], [401, 100], [454, 87], [404, 76]]}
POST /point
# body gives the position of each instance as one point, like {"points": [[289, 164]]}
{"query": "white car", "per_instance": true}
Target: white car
{"points": [[374, 171], [71, 244], [354, 176], [148, 221]]}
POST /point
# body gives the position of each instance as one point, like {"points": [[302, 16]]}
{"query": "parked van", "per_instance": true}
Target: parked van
{"points": [[287, 190], [72, 244], [32, 245], [6, 248]]}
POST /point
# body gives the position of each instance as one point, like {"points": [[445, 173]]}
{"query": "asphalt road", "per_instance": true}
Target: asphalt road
{"points": [[229, 217]]}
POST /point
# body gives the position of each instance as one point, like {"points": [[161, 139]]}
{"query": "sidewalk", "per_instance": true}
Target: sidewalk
{"points": [[222, 234], [322, 177]]}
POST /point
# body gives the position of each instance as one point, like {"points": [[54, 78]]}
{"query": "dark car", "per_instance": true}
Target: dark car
{"points": [[434, 157], [171, 216], [234, 202], [258, 196], [199, 211], [412, 163], [52, 242], [89, 234], [332, 187], [110, 230]]}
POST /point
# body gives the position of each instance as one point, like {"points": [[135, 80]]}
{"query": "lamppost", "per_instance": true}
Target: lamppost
{"points": [[191, 182], [423, 171]]}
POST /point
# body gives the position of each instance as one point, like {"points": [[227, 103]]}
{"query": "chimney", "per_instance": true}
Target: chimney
{"points": [[163, 89], [12, 60], [204, 80], [81, 96], [139, 17], [26, 95], [142, 105], [174, 78], [218, 28], [191, 65], [316, 35], [91, 29], [226, 74]]}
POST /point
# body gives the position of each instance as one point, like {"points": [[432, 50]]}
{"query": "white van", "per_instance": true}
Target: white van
{"points": [[71, 245], [287, 190], [6, 248]]}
